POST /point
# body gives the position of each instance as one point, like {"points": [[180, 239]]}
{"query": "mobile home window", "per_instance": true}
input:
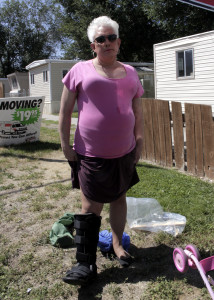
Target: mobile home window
{"points": [[14, 83], [64, 72], [45, 76], [185, 63], [32, 80]]}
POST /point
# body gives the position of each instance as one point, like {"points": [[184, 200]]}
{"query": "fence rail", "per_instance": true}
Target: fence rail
{"points": [[184, 140], [1, 90]]}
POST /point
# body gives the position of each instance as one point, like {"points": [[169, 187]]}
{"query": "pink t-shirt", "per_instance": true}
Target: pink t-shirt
{"points": [[106, 121]]}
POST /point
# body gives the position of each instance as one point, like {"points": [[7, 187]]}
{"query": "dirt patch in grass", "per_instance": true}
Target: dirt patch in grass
{"points": [[34, 193]]}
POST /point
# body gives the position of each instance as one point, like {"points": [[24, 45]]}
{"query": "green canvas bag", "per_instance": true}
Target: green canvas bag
{"points": [[61, 234]]}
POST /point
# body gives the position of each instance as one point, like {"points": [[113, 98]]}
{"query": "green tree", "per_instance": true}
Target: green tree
{"points": [[2, 43], [179, 19], [142, 24], [29, 32], [137, 31]]}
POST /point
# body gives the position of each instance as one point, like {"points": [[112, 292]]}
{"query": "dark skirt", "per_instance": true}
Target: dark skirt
{"points": [[104, 180]]}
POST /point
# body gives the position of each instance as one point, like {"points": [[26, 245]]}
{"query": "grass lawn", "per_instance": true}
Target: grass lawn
{"points": [[35, 190]]}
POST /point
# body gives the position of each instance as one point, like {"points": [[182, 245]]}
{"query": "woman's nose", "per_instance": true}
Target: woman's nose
{"points": [[107, 42]]}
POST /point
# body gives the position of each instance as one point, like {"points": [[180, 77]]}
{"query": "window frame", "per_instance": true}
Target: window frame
{"points": [[32, 78], [14, 83], [184, 77], [45, 76], [64, 70]]}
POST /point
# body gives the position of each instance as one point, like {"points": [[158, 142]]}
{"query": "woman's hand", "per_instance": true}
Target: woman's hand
{"points": [[69, 153], [138, 153], [138, 130]]}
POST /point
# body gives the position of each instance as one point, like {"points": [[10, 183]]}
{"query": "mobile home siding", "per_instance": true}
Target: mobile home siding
{"points": [[56, 82], [52, 89], [40, 88], [200, 88]]}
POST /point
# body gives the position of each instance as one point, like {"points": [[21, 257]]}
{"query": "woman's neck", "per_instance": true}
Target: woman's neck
{"points": [[106, 63], [110, 69]]}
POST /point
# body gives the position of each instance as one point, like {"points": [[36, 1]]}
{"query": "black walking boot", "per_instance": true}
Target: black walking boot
{"points": [[87, 235]]}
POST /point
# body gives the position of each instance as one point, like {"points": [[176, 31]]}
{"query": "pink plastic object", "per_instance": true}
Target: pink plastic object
{"points": [[203, 266], [180, 260], [195, 252]]}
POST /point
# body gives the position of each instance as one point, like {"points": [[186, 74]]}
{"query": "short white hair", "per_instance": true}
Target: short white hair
{"points": [[102, 21]]}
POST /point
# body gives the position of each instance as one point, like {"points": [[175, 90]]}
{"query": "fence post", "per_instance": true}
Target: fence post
{"points": [[178, 135], [190, 138], [1, 90], [198, 141], [148, 130], [165, 132], [208, 140], [156, 133]]}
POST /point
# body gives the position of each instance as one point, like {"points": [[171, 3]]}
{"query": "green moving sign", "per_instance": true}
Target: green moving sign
{"points": [[20, 119]]}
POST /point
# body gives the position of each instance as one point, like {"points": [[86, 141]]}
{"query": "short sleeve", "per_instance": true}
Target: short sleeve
{"points": [[70, 79], [140, 90]]}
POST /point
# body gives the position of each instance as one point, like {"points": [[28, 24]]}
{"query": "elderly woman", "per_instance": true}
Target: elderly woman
{"points": [[107, 143]]}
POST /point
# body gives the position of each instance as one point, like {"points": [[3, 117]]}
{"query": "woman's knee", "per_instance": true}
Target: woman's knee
{"points": [[119, 202], [90, 206]]}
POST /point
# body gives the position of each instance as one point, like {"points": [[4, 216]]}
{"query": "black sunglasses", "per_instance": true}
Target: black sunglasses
{"points": [[101, 39]]}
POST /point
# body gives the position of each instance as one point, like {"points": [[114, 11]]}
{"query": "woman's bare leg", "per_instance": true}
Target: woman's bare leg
{"points": [[118, 211], [89, 206]]}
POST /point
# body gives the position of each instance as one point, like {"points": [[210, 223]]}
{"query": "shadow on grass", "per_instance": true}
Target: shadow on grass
{"points": [[30, 148], [22, 156], [33, 147], [33, 187], [147, 166], [150, 263]]}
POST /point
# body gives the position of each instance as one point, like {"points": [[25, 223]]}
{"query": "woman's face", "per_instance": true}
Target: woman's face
{"points": [[106, 48]]}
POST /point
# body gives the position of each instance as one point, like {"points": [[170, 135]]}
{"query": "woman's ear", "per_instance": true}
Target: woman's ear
{"points": [[92, 46], [119, 41]]}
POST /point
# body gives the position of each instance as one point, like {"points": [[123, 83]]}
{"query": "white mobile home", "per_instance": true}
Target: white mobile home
{"points": [[4, 87], [45, 79], [184, 69], [19, 84]]}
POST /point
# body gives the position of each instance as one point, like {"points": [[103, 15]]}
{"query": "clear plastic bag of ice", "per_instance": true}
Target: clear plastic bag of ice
{"points": [[147, 214]]}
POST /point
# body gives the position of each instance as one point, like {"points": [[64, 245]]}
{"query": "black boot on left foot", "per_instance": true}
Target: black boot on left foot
{"points": [[87, 235]]}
